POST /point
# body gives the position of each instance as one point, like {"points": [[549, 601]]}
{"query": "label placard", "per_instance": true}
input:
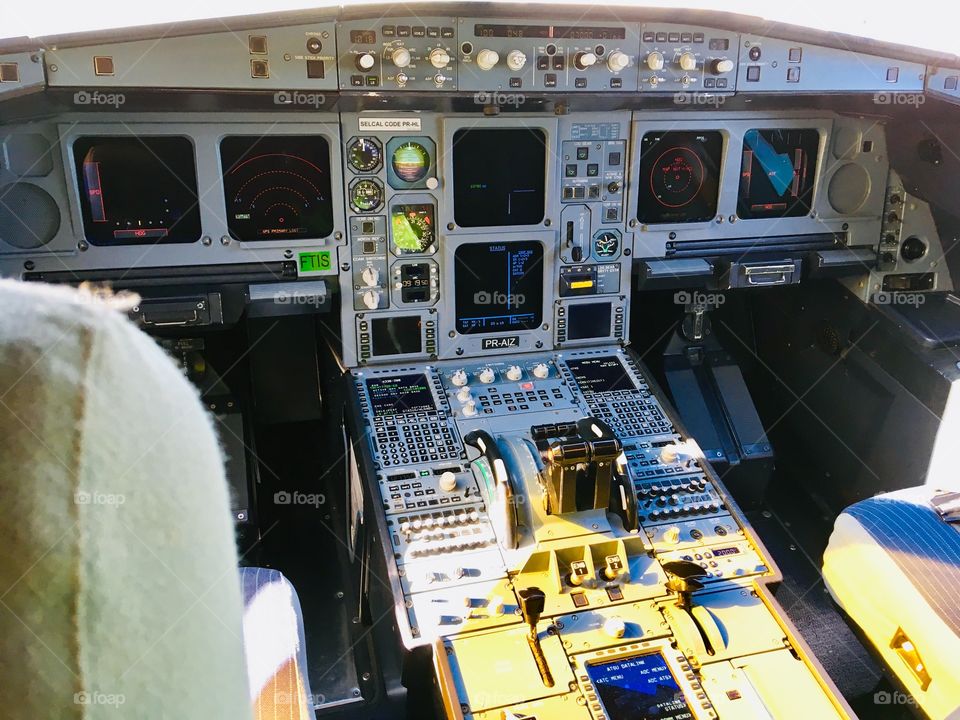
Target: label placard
{"points": [[502, 341], [385, 124], [314, 261]]}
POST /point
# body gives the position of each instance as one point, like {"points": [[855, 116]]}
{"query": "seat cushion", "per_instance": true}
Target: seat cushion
{"points": [[275, 648], [893, 565]]}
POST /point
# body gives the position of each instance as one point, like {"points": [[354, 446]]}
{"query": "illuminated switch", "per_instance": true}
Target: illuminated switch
{"points": [[257, 44], [753, 73], [793, 74], [9, 72], [259, 69], [103, 65], [315, 69], [893, 74], [795, 54]]}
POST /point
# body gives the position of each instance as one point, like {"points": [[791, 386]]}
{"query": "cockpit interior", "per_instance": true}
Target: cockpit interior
{"points": [[494, 361]]}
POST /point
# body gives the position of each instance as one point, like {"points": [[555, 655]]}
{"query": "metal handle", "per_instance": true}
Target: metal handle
{"points": [[769, 274]]}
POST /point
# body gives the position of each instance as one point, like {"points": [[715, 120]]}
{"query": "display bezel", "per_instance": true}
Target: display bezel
{"points": [[395, 181], [412, 199], [815, 165]]}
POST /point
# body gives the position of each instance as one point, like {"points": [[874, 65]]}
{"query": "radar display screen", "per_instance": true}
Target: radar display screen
{"points": [[641, 687], [396, 335], [679, 176], [600, 374], [499, 286], [777, 172], [400, 394], [499, 176], [412, 228], [137, 189], [277, 187]]}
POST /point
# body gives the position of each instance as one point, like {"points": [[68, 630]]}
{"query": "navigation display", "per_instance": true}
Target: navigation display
{"points": [[412, 227], [777, 172], [499, 286], [600, 374], [679, 176], [639, 688], [277, 187], [396, 335], [400, 394], [499, 176], [137, 189]]}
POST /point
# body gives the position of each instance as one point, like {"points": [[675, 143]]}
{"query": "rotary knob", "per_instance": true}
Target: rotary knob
{"points": [[458, 378], [516, 60], [495, 607], [400, 57], [370, 276], [470, 409], [614, 627], [371, 299], [722, 65], [487, 59], [687, 62], [486, 375], [514, 372], [464, 395], [365, 61], [439, 58], [448, 482], [617, 61], [655, 60], [671, 535], [541, 370], [583, 60]]}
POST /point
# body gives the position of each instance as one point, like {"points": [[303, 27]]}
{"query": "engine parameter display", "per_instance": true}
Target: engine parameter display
{"points": [[499, 176], [639, 688], [400, 394], [499, 286], [777, 173], [679, 176], [601, 374], [137, 189], [277, 187]]}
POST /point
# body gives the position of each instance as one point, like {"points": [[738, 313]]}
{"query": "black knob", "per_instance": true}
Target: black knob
{"points": [[613, 188], [532, 601]]}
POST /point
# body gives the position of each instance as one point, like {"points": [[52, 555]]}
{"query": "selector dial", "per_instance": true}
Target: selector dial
{"points": [[371, 299], [470, 409], [400, 57], [516, 59], [464, 395], [459, 378], [514, 373], [365, 61], [687, 62], [722, 65], [541, 371], [583, 60], [448, 482], [487, 59], [487, 376], [655, 60], [439, 58], [614, 627], [617, 61], [370, 276]]}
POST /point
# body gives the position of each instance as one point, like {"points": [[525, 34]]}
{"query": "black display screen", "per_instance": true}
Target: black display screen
{"points": [[400, 394], [396, 335], [137, 190], [499, 286], [679, 176], [601, 374], [588, 320], [277, 187], [777, 172], [499, 176], [572, 32], [639, 688]]}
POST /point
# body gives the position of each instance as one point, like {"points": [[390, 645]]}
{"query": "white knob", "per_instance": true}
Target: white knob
{"points": [[516, 60], [400, 57], [464, 394], [723, 65], [432, 183], [618, 61], [514, 372], [487, 376], [459, 378], [615, 627], [448, 482], [671, 535], [439, 58], [487, 59], [673, 452], [688, 62], [370, 276], [495, 606], [371, 299], [655, 60], [470, 409], [584, 60], [365, 61], [540, 370]]}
